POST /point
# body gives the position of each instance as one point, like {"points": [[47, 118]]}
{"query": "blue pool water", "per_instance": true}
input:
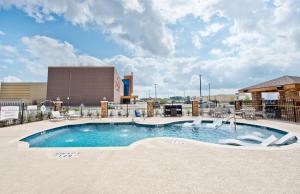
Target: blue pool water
{"points": [[109, 135]]}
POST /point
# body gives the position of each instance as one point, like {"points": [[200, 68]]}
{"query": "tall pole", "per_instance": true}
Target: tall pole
{"points": [[208, 91], [155, 92], [183, 95], [69, 92], [200, 94], [127, 109]]}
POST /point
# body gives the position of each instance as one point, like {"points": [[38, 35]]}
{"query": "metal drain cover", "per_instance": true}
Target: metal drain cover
{"points": [[67, 154]]}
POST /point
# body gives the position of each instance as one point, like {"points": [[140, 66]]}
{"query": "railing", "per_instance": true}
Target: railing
{"points": [[288, 110], [229, 119], [115, 110], [285, 110], [25, 115]]}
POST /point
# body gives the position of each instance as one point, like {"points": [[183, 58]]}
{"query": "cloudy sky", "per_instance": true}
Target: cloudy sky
{"points": [[232, 43]]}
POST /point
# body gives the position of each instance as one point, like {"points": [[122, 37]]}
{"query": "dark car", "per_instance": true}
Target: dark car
{"points": [[156, 105]]}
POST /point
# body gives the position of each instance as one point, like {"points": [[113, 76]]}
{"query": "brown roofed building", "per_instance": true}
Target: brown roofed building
{"points": [[84, 85], [287, 82], [288, 88]]}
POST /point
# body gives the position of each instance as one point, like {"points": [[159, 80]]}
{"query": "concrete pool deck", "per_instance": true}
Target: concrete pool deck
{"points": [[158, 165]]}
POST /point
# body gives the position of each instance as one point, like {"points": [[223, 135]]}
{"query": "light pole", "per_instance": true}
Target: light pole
{"points": [[209, 92], [200, 94], [69, 90], [155, 91], [127, 113], [68, 99]]}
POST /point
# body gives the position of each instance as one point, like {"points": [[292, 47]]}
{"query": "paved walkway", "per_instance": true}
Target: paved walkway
{"points": [[159, 165]]}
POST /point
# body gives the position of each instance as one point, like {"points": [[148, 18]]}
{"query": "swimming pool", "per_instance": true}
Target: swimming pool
{"points": [[124, 134]]}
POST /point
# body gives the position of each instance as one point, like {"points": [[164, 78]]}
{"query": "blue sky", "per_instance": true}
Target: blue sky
{"points": [[92, 41], [232, 43]]}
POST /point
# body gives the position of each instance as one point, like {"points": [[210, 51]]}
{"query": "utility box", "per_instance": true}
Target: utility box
{"points": [[173, 110]]}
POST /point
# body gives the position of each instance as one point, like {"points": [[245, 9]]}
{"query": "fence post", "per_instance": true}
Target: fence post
{"points": [[22, 112], [195, 108]]}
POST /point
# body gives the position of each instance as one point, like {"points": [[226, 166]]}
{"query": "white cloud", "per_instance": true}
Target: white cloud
{"points": [[173, 10], [8, 54], [45, 51], [260, 40], [3, 67], [216, 52], [11, 79], [211, 29], [265, 36], [133, 5], [2, 33], [134, 23], [197, 41], [8, 49], [8, 61], [173, 75]]}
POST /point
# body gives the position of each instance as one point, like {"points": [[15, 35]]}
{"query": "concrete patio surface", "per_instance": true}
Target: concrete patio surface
{"points": [[157, 165]]}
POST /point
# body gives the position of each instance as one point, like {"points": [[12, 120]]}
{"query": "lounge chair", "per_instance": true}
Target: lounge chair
{"points": [[285, 139], [266, 142], [250, 138], [73, 115], [56, 116]]}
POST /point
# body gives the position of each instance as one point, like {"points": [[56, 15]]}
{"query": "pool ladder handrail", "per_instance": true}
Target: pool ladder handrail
{"points": [[223, 122]]}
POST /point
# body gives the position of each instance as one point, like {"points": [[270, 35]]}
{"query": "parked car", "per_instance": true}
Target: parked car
{"points": [[156, 104], [208, 104]]}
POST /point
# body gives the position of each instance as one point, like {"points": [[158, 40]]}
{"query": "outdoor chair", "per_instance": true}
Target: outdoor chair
{"points": [[218, 112], [56, 116], [238, 113], [137, 113], [73, 115], [259, 114], [266, 142], [248, 113]]}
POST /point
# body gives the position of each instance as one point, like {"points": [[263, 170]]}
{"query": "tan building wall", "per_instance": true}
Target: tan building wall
{"points": [[220, 98], [25, 92]]}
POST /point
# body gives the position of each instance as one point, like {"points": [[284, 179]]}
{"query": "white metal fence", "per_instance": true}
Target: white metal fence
{"points": [[27, 115]]}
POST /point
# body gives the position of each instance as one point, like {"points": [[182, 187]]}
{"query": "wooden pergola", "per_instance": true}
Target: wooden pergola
{"points": [[288, 88]]}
